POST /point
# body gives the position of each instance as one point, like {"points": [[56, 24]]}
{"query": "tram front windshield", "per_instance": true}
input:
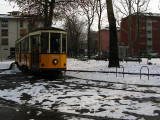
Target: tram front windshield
{"points": [[55, 43], [63, 43], [45, 43]]}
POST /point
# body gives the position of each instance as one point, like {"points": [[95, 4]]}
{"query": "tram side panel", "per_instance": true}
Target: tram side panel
{"points": [[22, 60], [29, 61]]}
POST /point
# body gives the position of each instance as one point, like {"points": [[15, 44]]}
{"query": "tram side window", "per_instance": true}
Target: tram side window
{"points": [[55, 43], [17, 48], [26, 45], [63, 43], [45, 43], [23, 47]]}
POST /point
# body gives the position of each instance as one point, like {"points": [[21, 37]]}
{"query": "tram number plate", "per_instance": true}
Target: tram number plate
{"points": [[55, 56]]}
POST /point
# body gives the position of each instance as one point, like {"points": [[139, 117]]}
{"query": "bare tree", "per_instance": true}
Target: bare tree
{"points": [[127, 8], [100, 5], [89, 9], [113, 46], [74, 28], [42, 8]]}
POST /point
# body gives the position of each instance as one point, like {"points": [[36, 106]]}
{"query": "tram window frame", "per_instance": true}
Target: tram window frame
{"points": [[44, 43], [17, 48], [64, 43], [23, 46], [55, 43], [35, 43]]}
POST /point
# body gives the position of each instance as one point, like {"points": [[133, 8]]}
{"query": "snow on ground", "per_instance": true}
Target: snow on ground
{"points": [[97, 101], [5, 64], [132, 67]]}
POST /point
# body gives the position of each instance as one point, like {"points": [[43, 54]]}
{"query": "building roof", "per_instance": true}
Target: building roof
{"points": [[149, 14], [153, 14], [107, 28], [7, 16], [157, 15], [47, 28], [11, 15]]}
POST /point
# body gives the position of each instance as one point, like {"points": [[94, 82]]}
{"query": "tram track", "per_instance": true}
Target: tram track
{"points": [[151, 74], [150, 89]]}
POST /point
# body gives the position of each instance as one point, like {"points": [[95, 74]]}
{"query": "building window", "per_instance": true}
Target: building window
{"points": [[149, 39], [4, 23], [4, 32], [4, 41], [155, 36], [149, 32], [142, 36], [149, 47], [143, 28], [21, 23], [22, 32], [12, 52], [149, 24], [14, 13], [155, 21], [156, 27]]}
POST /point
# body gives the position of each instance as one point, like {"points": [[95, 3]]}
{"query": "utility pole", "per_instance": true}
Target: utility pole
{"points": [[138, 30]]}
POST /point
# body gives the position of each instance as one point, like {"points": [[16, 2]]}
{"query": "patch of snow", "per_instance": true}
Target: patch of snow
{"points": [[5, 64]]}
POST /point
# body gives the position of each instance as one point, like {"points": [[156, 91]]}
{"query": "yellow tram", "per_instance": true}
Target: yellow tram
{"points": [[43, 49]]}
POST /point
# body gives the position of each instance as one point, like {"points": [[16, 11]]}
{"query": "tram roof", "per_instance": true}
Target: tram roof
{"points": [[41, 29], [49, 28]]}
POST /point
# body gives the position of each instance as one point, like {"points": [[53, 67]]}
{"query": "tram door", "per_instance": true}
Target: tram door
{"points": [[35, 52]]}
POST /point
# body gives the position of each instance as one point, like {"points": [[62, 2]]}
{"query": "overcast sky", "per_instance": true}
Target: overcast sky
{"points": [[7, 7]]}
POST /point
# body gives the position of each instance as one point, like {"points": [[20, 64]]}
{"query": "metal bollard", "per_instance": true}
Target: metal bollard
{"points": [[141, 71], [121, 66]]}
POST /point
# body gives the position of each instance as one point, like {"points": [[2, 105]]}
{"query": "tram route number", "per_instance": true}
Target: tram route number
{"points": [[55, 56]]}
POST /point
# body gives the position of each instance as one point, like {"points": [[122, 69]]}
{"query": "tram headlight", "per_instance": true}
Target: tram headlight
{"points": [[55, 61]]}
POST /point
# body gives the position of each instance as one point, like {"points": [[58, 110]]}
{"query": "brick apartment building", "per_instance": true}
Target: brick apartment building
{"points": [[149, 34], [105, 39], [12, 27]]}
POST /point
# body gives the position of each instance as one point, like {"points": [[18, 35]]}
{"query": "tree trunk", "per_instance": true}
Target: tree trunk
{"points": [[113, 46], [89, 41], [99, 38], [99, 12], [48, 13], [51, 4]]}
